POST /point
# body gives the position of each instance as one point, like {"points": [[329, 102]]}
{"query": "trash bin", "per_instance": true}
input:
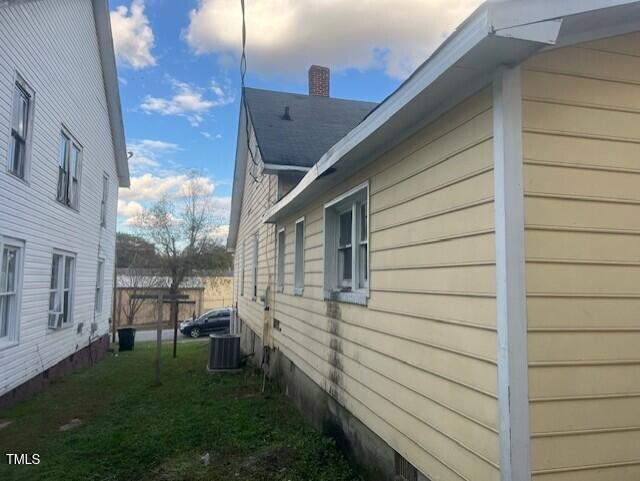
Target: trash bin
{"points": [[126, 338]]}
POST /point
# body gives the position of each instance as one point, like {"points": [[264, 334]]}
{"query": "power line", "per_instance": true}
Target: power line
{"points": [[243, 72]]}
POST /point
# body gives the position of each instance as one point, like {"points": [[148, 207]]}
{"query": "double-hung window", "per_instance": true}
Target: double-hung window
{"points": [[103, 202], [256, 245], [61, 291], [20, 129], [280, 273], [298, 269], [99, 286], [347, 247], [69, 159], [10, 280]]}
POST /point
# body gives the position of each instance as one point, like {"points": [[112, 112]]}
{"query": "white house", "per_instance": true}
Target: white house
{"points": [[62, 159]]}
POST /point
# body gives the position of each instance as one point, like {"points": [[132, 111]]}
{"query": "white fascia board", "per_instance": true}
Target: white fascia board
{"points": [[542, 32], [112, 90], [475, 29], [511, 309], [239, 178], [504, 15], [284, 168]]}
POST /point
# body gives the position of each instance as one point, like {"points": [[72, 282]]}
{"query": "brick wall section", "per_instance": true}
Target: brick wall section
{"points": [[319, 81], [84, 357]]}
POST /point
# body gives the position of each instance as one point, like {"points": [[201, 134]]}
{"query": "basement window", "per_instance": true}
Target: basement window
{"points": [[281, 246], [347, 247]]}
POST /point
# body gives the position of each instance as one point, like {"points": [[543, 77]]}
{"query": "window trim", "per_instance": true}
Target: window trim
{"points": [[20, 83], [255, 266], [104, 200], [13, 330], [281, 256], [298, 275], [243, 266], [99, 300], [61, 288], [64, 131], [349, 200]]}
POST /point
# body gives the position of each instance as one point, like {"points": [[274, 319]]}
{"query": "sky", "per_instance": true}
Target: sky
{"points": [[178, 68]]}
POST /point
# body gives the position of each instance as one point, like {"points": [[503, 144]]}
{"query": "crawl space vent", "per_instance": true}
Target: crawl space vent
{"points": [[405, 471]]}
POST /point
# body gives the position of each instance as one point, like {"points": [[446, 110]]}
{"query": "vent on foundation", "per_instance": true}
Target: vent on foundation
{"points": [[405, 471]]}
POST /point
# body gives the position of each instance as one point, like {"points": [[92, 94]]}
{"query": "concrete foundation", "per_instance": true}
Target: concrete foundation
{"points": [[84, 357], [374, 456]]}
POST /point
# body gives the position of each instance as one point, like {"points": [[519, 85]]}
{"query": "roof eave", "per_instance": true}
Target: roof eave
{"points": [[110, 77], [496, 34]]}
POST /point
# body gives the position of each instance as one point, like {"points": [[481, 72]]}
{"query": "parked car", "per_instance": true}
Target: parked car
{"points": [[216, 320]]}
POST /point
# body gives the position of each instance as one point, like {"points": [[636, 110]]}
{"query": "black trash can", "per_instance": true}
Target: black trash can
{"points": [[126, 338]]}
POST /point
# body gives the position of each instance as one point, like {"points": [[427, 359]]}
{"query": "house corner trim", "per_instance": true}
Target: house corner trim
{"points": [[513, 389]]}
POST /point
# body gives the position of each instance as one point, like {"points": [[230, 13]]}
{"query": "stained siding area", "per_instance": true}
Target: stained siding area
{"points": [[582, 216], [418, 364], [53, 45]]}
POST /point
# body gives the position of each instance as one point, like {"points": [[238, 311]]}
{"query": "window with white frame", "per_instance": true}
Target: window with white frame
{"points": [[99, 285], [298, 281], [254, 270], [103, 202], [243, 265], [20, 128], [61, 290], [10, 283], [69, 160], [280, 272], [347, 247]]}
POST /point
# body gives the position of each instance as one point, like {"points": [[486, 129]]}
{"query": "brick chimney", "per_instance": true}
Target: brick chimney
{"points": [[319, 78]]}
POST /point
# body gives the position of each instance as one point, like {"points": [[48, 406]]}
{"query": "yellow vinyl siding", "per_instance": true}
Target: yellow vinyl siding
{"points": [[581, 117], [258, 196], [418, 364]]}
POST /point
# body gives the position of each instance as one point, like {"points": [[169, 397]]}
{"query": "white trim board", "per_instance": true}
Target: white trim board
{"points": [[513, 387]]}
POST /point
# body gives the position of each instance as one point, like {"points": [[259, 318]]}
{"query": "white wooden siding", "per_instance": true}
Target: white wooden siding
{"points": [[53, 45]]}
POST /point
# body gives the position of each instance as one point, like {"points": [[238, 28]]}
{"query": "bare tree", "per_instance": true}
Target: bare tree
{"points": [[180, 230], [181, 233]]}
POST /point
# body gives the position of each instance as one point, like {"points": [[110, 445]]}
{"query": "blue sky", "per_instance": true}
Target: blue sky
{"points": [[179, 73]]}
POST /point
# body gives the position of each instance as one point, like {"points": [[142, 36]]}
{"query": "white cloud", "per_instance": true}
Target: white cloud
{"points": [[133, 38], [129, 209], [151, 188], [188, 101], [147, 153], [220, 233], [285, 37], [209, 136]]}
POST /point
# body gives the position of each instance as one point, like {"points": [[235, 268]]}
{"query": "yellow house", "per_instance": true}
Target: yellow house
{"points": [[452, 287]]}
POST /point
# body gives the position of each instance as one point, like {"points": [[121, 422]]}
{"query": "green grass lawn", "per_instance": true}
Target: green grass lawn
{"points": [[133, 431]]}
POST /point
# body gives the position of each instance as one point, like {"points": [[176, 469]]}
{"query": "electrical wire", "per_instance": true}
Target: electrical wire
{"points": [[243, 72]]}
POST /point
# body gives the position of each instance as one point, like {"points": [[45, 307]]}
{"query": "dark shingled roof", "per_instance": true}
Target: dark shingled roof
{"points": [[317, 123]]}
